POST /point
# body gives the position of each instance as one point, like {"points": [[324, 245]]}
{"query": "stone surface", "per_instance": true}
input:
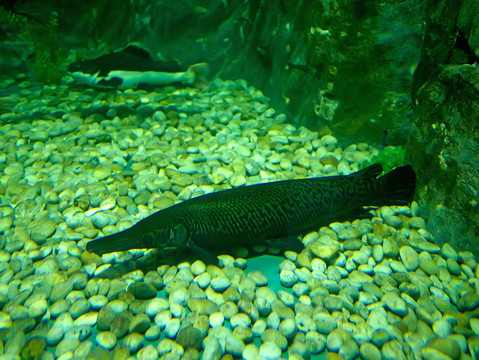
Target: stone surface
{"points": [[121, 324], [324, 252], [33, 348], [190, 337], [394, 303], [369, 351], [106, 340], [202, 306], [409, 257], [142, 291], [139, 324], [443, 144]]}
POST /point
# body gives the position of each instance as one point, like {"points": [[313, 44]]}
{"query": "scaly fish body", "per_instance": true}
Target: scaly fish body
{"points": [[257, 213]]}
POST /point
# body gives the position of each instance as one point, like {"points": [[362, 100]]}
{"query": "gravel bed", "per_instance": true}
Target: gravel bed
{"points": [[77, 164]]}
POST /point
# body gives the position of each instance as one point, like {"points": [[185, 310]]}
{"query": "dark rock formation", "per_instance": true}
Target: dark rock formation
{"points": [[444, 138]]}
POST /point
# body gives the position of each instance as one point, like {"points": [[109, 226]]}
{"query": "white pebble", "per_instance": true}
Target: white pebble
{"points": [[442, 328], [220, 283], [324, 322], [38, 308], [269, 351], [259, 327], [172, 328], [106, 340], [149, 352], [234, 346], [377, 318], [336, 339], [225, 261], [251, 352], [177, 310], [318, 265], [216, 319], [286, 297], [409, 258], [163, 318], [179, 296], [198, 267], [288, 278], [153, 333], [287, 328], [155, 306], [97, 302], [54, 335], [203, 280], [378, 253], [273, 321], [88, 319], [241, 320], [212, 349]]}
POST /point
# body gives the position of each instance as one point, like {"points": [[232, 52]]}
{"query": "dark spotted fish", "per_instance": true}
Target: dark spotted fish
{"points": [[271, 212], [133, 66]]}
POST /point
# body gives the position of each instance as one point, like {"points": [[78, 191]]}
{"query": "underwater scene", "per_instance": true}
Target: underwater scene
{"points": [[239, 180]]}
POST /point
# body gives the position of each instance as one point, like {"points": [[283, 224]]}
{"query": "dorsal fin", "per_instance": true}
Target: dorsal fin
{"points": [[137, 50], [372, 171]]}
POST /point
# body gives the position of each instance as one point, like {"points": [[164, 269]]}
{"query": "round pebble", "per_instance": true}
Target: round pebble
{"points": [[288, 278], [369, 351], [393, 302], [325, 323], [142, 291], [38, 308], [324, 252], [106, 340], [198, 267], [202, 306], [139, 324], [241, 320], [409, 258], [88, 164], [220, 283], [149, 352], [269, 351]]}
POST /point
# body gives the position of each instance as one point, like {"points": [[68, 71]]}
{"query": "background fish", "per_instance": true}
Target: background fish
{"points": [[260, 213], [133, 66]]}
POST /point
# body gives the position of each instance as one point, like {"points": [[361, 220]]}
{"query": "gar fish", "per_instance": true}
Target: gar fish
{"points": [[133, 66], [270, 212]]}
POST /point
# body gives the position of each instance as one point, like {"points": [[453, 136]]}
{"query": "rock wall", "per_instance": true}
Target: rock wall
{"points": [[444, 139]]}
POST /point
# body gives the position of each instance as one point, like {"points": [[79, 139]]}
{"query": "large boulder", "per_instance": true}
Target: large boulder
{"points": [[443, 147], [444, 138]]}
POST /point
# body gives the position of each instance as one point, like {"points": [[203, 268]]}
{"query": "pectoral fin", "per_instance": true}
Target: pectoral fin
{"points": [[180, 239], [204, 255]]}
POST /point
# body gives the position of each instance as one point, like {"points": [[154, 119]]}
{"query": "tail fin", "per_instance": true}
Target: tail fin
{"points": [[398, 186], [201, 71]]}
